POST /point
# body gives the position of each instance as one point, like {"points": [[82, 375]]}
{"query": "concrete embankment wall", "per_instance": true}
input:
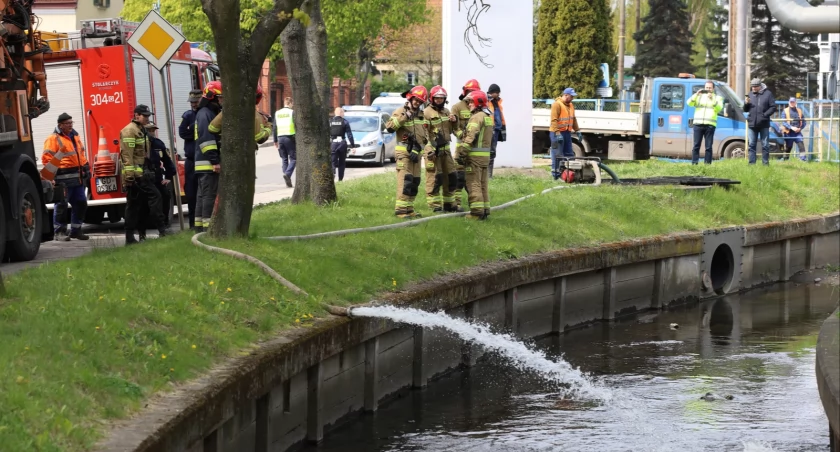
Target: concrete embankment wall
{"points": [[828, 375], [306, 382]]}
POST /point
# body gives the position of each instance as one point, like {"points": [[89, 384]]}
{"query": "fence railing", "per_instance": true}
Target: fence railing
{"points": [[613, 105], [821, 134]]}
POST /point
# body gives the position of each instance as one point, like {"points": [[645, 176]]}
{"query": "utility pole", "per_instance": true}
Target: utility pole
{"points": [[741, 33], [621, 17]]}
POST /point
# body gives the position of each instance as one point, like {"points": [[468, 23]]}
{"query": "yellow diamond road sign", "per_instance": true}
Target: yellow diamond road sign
{"points": [[156, 39]]}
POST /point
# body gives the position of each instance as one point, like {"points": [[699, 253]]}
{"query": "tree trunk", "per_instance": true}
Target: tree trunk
{"points": [[236, 199], [363, 72], [314, 170], [240, 60]]}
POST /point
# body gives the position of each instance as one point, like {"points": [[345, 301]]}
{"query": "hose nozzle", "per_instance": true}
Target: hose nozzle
{"points": [[337, 310]]}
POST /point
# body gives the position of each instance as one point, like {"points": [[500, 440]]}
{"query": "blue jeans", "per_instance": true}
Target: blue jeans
{"points": [[762, 134], [563, 150], [78, 204], [702, 132], [288, 153], [795, 137]]}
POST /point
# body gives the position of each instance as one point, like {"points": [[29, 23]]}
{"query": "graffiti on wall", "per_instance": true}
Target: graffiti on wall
{"points": [[472, 37]]}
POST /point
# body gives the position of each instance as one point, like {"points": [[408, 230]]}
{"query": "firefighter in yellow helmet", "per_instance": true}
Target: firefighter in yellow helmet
{"points": [[440, 168], [410, 127], [474, 154], [462, 114]]}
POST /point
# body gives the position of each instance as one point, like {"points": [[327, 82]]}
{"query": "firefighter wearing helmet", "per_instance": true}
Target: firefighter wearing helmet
{"points": [[262, 128], [462, 115], [208, 158], [440, 168], [410, 127], [474, 154]]}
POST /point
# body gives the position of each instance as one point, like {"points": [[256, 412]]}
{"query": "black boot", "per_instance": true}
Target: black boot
{"points": [[129, 239], [162, 231]]}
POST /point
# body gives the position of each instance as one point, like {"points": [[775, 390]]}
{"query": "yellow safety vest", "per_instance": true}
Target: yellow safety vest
{"points": [[284, 122]]}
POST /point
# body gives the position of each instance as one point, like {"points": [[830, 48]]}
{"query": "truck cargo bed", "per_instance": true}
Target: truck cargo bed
{"points": [[601, 122]]}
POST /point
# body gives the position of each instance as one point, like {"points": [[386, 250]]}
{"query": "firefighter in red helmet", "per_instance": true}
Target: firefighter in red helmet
{"points": [[208, 158], [462, 114], [440, 168], [410, 127], [474, 154]]}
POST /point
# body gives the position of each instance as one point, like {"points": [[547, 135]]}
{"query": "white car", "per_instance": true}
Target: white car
{"points": [[374, 143]]}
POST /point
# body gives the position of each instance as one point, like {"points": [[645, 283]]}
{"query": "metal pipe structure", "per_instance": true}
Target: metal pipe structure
{"points": [[621, 18], [741, 34], [799, 15]]}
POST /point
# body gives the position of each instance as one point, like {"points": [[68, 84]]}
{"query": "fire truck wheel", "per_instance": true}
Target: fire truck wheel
{"points": [[115, 214], [28, 224]]}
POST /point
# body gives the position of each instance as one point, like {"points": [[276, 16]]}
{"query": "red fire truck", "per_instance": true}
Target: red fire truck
{"points": [[98, 79]]}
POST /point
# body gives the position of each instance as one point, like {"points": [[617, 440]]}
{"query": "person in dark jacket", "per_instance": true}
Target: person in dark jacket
{"points": [[339, 129], [160, 160], [208, 157], [186, 130], [761, 105]]}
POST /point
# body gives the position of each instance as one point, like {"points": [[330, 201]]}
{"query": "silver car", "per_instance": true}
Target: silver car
{"points": [[374, 143]]}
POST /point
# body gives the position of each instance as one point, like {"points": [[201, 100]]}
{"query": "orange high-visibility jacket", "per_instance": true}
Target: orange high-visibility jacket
{"points": [[63, 157], [563, 117], [493, 110]]}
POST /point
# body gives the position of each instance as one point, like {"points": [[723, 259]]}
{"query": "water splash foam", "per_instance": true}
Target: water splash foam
{"points": [[512, 349]]}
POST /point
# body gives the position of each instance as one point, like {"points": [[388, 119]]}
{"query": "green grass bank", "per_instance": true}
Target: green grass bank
{"points": [[89, 340]]}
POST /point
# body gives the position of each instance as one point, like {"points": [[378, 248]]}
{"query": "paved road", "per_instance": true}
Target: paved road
{"points": [[269, 187]]}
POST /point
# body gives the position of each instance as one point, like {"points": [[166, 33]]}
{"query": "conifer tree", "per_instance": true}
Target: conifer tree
{"points": [[573, 38], [716, 42], [665, 42], [781, 57]]}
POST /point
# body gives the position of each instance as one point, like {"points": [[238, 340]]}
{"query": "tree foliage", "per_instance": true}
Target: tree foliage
{"points": [[716, 42], [665, 42], [781, 57], [573, 38], [354, 26], [350, 24]]}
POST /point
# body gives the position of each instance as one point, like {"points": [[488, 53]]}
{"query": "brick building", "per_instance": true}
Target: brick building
{"points": [[342, 92]]}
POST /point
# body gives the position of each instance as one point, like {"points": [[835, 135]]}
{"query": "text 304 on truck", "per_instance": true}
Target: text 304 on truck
{"points": [[102, 79]]}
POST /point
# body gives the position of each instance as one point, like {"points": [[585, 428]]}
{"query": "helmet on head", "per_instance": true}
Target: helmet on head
{"points": [[418, 92], [213, 89], [259, 94], [471, 85], [479, 98], [438, 91]]}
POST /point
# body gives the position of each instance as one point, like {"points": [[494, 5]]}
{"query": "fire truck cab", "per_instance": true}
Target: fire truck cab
{"points": [[100, 79]]}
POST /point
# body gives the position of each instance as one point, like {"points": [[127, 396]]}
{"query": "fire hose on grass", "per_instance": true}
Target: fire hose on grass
{"points": [[594, 165]]}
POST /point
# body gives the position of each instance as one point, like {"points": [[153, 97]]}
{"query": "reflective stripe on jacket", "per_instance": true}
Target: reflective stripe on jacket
{"points": [[562, 117], [462, 113], [404, 126], [63, 156], [134, 149], [705, 110], [207, 151], [477, 139]]}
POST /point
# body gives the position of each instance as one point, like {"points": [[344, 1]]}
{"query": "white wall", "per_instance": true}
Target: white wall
{"points": [[60, 20], [508, 24]]}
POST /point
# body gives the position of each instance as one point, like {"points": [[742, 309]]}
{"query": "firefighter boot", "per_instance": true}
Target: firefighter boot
{"points": [[129, 239]]}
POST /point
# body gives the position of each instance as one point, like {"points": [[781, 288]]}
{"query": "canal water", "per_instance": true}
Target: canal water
{"points": [[754, 352]]}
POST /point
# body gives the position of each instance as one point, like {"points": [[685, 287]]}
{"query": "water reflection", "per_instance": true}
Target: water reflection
{"points": [[757, 348]]}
